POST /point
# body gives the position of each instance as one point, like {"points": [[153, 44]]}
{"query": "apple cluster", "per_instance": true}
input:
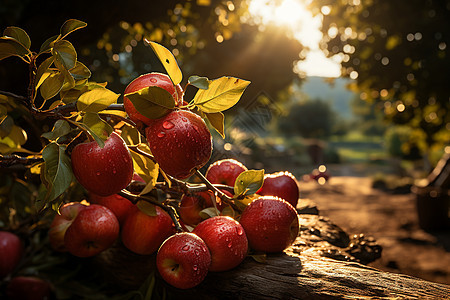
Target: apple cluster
{"points": [[217, 235], [19, 287]]}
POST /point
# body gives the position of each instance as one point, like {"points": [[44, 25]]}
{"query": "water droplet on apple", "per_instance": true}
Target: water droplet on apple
{"points": [[230, 244], [184, 119], [275, 227], [264, 227], [168, 125], [114, 171], [185, 248], [197, 252], [195, 128], [195, 267], [204, 248], [260, 204], [239, 231], [161, 134], [98, 173], [154, 80]]}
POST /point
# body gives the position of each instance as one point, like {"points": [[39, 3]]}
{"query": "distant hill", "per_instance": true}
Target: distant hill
{"points": [[335, 93]]}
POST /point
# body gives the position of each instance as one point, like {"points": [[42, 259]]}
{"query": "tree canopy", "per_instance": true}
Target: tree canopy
{"points": [[398, 53]]}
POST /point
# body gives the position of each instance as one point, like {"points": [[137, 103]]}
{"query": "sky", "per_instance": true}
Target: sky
{"points": [[305, 27]]}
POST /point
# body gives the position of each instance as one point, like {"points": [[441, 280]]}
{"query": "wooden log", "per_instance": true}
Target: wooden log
{"points": [[292, 275], [323, 263]]}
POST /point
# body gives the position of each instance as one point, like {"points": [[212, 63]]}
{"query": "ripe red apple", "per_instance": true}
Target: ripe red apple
{"points": [[11, 250], [29, 288], [280, 184], [119, 205], [225, 171], [103, 171], [271, 224], [192, 204], [62, 221], [180, 143], [183, 260], [226, 241], [143, 234], [94, 229], [146, 80]]}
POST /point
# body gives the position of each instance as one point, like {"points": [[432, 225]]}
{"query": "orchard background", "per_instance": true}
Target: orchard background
{"points": [[394, 129]]}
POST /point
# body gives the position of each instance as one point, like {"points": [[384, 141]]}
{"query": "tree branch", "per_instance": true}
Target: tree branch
{"points": [[11, 160]]}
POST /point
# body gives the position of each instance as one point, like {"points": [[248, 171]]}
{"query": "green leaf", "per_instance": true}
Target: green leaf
{"points": [[199, 82], [15, 138], [70, 26], [152, 102], [11, 47], [58, 171], [208, 212], [96, 100], [147, 208], [42, 69], [51, 86], [217, 121], [19, 35], [80, 71], [248, 182], [64, 53], [168, 61], [222, 94], [260, 257], [71, 95], [146, 168], [98, 128], [47, 45], [60, 128]]}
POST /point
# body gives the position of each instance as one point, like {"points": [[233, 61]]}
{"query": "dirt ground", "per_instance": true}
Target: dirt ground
{"points": [[352, 204]]}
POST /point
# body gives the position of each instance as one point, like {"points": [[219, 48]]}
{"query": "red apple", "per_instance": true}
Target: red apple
{"points": [[94, 229], [226, 241], [28, 288], [146, 80], [180, 143], [225, 171], [280, 184], [11, 250], [58, 227], [103, 171], [183, 260], [119, 205], [271, 224], [192, 204], [143, 234]]}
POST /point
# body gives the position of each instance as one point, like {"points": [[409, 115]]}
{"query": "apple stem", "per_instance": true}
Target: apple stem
{"points": [[225, 198], [168, 208]]}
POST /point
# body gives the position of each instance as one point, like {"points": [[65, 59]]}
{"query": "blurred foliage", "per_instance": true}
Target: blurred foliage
{"points": [[398, 52], [206, 36], [310, 119]]}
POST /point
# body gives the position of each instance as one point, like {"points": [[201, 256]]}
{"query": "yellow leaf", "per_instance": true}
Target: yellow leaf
{"points": [[168, 60]]}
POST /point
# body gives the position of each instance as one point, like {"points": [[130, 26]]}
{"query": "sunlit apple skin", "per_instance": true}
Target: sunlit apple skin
{"points": [[94, 230], [11, 251], [183, 260], [58, 227], [192, 204], [225, 171], [226, 241], [281, 184], [146, 80], [103, 171], [270, 223], [143, 234], [28, 288], [180, 143]]}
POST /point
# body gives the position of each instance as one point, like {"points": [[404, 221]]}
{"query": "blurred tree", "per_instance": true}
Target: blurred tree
{"points": [[398, 52], [310, 119]]}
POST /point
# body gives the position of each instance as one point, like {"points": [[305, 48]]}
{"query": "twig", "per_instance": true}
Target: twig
{"points": [[168, 208], [11, 160], [225, 198]]}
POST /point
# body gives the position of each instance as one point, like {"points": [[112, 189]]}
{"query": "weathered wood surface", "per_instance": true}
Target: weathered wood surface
{"points": [[323, 263]]}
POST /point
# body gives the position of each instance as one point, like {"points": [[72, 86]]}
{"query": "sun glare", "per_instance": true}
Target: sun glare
{"points": [[294, 15]]}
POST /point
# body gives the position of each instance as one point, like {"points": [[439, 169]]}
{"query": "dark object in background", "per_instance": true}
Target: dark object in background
{"points": [[433, 197]]}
